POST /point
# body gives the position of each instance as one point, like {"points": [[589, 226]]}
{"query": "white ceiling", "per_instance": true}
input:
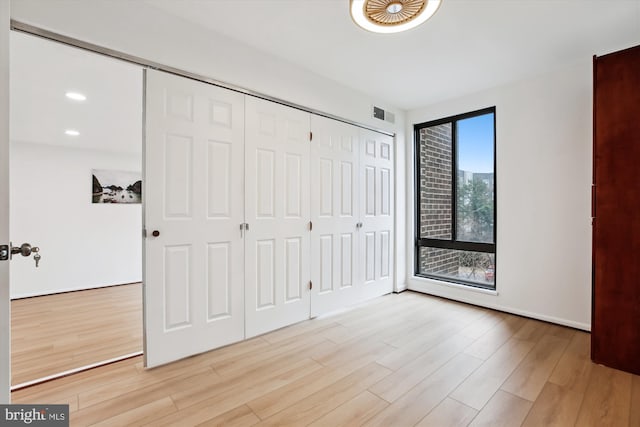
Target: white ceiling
{"points": [[41, 72], [467, 46]]}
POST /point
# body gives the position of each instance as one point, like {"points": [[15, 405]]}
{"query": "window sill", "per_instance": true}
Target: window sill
{"points": [[423, 281]]}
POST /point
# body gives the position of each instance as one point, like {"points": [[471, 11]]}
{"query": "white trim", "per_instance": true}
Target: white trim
{"points": [[421, 286], [454, 285], [401, 288], [67, 290], [75, 371]]}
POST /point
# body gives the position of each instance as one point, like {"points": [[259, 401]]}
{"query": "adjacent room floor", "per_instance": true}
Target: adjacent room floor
{"points": [[55, 333], [400, 360]]}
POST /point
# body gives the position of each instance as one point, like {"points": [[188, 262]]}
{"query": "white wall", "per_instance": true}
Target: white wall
{"points": [[83, 245], [138, 29], [5, 307], [543, 139]]}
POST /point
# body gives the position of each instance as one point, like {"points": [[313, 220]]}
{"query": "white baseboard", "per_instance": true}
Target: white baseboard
{"points": [[551, 319], [65, 290], [401, 288]]}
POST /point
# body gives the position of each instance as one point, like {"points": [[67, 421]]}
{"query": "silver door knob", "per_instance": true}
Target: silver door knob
{"points": [[25, 249]]}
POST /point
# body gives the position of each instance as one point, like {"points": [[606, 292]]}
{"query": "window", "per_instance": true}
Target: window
{"points": [[455, 199]]}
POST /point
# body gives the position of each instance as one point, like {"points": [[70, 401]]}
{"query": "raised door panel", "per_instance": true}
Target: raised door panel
{"points": [[177, 176], [277, 212], [220, 289], [193, 176], [219, 158]]}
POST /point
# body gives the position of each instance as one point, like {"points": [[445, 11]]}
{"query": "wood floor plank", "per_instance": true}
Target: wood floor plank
{"points": [[556, 406], [562, 332], [405, 378], [476, 390], [354, 412], [493, 339], [145, 378], [264, 374], [531, 375], [420, 400], [607, 399], [634, 415], [233, 366], [483, 324], [224, 400], [301, 329], [532, 330], [241, 416], [449, 413], [428, 338], [139, 415], [574, 367], [277, 400], [141, 397], [354, 350], [338, 334], [503, 410], [319, 404]]}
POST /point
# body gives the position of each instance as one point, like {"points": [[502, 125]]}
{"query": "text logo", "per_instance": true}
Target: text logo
{"points": [[34, 415]]}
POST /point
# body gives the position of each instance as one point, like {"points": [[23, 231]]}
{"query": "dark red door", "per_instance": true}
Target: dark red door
{"points": [[615, 339]]}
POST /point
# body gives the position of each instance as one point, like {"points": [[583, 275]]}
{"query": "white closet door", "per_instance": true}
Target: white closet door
{"points": [[335, 274], [376, 212], [277, 212], [193, 190]]}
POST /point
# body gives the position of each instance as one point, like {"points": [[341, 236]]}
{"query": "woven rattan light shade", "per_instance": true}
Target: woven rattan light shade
{"points": [[391, 16], [378, 11]]}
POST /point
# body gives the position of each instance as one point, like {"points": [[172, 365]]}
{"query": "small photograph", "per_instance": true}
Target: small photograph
{"points": [[111, 186]]}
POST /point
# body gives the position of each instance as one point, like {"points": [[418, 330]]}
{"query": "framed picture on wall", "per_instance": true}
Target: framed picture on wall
{"points": [[111, 186]]}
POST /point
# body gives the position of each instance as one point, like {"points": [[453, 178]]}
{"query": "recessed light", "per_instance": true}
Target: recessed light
{"points": [[72, 132], [76, 96]]}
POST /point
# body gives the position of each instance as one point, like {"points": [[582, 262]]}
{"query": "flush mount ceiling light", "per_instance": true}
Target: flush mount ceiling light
{"points": [[392, 16], [75, 96], [72, 132]]}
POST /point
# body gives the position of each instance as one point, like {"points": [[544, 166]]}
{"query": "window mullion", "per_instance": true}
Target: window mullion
{"points": [[454, 183]]}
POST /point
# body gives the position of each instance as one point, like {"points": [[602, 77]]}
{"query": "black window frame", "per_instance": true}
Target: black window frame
{"points": [[453, 243]]}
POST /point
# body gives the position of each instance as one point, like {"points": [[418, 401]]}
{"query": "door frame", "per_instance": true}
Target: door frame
{"points": [[5, 302]]}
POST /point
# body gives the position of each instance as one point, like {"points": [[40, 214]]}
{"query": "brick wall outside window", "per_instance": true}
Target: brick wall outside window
{"points": [[435, 198]]}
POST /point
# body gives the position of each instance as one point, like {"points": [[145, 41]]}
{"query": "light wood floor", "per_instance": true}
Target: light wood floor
{"points": [[55, 333], [402, 360]]}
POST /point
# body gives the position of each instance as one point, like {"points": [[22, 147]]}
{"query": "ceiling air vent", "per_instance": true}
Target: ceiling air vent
{"points": [[387, 116]]}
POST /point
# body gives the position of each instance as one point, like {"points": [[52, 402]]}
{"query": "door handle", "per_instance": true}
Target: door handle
{"points": [[25, 249], [243, 227], [8, 251]]}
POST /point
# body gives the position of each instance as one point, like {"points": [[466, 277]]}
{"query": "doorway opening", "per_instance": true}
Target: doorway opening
{"points": [[76, 194]]}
